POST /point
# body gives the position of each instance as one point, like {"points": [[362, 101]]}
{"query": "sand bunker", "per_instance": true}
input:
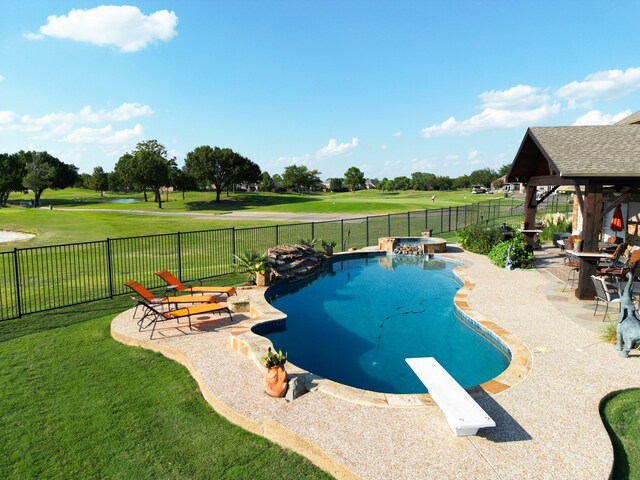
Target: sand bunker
{"points": [[8, 236]]}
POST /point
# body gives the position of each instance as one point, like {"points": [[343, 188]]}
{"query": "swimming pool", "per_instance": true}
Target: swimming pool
{"points": [[361, 317]]}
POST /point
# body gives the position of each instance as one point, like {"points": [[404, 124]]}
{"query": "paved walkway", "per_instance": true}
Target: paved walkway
{"points": [[548, 425]]}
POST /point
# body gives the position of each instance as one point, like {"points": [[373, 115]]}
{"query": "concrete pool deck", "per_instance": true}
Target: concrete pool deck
{"points": [[548, 424]]}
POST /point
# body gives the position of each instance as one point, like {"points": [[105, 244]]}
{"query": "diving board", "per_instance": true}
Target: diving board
{"points": [[464, 415]]}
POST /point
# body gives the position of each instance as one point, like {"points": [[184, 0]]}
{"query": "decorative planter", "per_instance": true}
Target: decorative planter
{"points": [[275, 381], [328, 250], [262, 279]]}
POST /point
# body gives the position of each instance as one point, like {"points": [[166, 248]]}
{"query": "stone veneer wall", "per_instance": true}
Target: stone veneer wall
{"points": [[290, 262]]}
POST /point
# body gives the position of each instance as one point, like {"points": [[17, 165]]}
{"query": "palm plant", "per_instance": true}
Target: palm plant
{"points": [[252, 262]]}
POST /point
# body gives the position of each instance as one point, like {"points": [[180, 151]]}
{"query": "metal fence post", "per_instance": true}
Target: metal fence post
{"points": [[179, 255], [408, 224], [342, 234], [449, 219], [277, 234], [426, 214], [442, 220], [17, 278], [478, 214], [388, 224], [109, 268], [313, 230], [367, 229], [233, 245]]}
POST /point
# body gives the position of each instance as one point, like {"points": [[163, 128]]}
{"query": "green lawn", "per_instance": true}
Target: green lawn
{"points": [[621, 414], [74, 403], [55, 226], [365, 201]]}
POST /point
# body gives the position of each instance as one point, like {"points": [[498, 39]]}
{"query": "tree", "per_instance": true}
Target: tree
{"points": [[46, 171], [266, 183], [354, 178], [442, 183], [462, 182], [385, 185], [423, 181], [84, 181], [483, 177], [300, 177], [503, 170], [277, 178], [12, 170], [99, 181], [221, 167], [145, 168], [180, 179], [401, 183], [336, 184]]}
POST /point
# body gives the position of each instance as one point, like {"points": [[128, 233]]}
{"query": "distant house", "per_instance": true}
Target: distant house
{"points": [[371, 183]]}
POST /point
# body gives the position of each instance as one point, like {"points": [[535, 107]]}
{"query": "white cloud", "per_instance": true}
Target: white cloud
{"points": [[57, 120], [397, 134], [472, 154], [383, 147], [104, 135], [7, 116], [491, 118], [596, 117], [518, 97], [124, 27], [601, 85], [33, 36], [422, 165], [335, 148], [2, 78], [514, 107]]}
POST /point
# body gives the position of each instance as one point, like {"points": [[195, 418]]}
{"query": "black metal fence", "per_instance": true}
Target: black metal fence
{"points": [[43, 278]]}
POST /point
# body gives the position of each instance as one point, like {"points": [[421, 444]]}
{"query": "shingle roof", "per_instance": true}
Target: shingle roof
{"points": [[591, 151], [630, 120]]}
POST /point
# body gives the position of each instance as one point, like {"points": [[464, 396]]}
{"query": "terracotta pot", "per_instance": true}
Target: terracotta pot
{"points": [[328, 250], [275, 381]]}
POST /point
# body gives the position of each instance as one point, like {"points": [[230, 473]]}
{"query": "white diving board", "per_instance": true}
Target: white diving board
{"points": [[464, 415]]}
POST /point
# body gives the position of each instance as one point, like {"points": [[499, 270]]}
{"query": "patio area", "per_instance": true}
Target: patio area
{"points": [[548, 425]]}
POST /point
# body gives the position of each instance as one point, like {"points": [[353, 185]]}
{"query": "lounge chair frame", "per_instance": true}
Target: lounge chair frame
{"points": [[174, 284], [156, 315]]}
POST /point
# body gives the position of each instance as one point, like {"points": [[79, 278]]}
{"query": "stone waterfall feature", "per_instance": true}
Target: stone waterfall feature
{"points": [[291, 262]]}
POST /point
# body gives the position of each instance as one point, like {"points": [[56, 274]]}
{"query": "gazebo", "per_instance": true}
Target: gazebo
{"points": [[597, 161]]}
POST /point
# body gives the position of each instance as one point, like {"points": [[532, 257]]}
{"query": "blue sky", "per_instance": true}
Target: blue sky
{"points": [[390, 87]]}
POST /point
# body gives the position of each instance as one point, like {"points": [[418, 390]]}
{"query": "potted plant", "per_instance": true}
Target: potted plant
{"points": [[275, 376], [256, 265], [577, 244], [328, 247]]}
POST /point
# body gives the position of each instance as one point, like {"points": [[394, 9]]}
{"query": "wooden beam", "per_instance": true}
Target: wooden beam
{"points": [[548, 180], [591, 224], [530, 208], [580, 201]]}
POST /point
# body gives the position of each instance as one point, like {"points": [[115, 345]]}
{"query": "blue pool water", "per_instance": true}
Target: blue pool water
{"points": [[357, 322]]}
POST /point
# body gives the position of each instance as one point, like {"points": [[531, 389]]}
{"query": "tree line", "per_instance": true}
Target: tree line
{"points": [[149, 169]]}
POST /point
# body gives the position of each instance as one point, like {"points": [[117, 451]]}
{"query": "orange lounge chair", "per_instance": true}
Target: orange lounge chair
{"points": [[150, 298], [178, 286], [156, 316]]}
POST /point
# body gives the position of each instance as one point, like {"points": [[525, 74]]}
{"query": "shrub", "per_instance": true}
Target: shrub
{"points": [[554, 223], [609, 333], [521, 254], [479, 238]]}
